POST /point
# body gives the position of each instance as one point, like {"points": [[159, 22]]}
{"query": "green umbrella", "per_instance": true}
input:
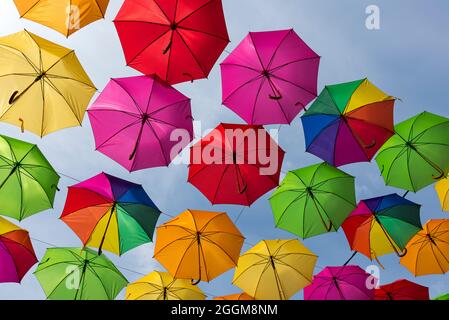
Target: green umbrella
{"points": [[442, 297], [28, 182], [313, 200], [418, 154], [78, 274]]}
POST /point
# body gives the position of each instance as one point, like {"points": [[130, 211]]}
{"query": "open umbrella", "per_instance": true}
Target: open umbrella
{"points": [[238, 296], [443, 297], [442, 188], [133, 121], [270, 77], [402, 290], [110, 213], [178, 41], [313, 200], [348, 122]]}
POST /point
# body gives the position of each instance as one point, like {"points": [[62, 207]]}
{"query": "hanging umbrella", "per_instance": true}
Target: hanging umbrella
{"points": [[402, 290], [177, 41], [66, 17], [348, 122], [270, 77], [418, 154], [313, 200], [133, 121], [275, 269], [198, 245], [442, 188], [78, 274], [110, 213], [16, 252], [28, 182], [162, 286], [239, 296], [443, 297], [235, 164]]}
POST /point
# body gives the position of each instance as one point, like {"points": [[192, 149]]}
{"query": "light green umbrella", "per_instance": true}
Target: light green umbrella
{"points": [[442, 297]]}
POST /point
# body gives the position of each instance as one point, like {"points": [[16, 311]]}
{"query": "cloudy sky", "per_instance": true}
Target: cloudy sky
{"points": [[407, 58]]}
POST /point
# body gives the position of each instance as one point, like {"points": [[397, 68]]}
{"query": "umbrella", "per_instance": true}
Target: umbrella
{"points": [[313, 200], [110, 213], [239, 296], [418, 154], [428, 250], [382, 225], [133, 121], [348, 122], [198, 245], [235, 164], [78, 274], [36, 72], [442, 188], [66, 17], [28, 182], [340, 283], [16, 252], [162, 286], [270, 77], [275, 269], [177, 41], [442, 297], [402, 290]]}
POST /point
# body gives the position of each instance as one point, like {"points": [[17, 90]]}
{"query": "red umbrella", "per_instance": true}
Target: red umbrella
{"points": [[402, 290], [177, 40]]}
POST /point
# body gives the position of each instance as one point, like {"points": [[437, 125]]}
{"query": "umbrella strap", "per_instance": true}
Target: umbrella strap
{"points": [[106, 229]]}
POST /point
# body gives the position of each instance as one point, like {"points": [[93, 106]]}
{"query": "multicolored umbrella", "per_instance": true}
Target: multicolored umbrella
{"points": [[348, 122], [418, 154], [270, 77], [402, 290], [238, 296], [78, 274], [110, 213], [275, 269], [39, 73], [133, 121], [178, 41], [313, 200], [442, 188], [28, 182]]}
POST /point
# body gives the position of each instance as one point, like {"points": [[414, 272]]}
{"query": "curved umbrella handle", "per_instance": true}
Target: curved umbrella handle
{"points": [[195, 282], [440, 176], [56, 187], [168, 47], [403, 253], [13, 97], [22, 125], [277, 97], [372, 145]]}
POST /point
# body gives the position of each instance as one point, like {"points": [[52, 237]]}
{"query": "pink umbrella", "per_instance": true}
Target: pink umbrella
{"points": [[270, 77], [133, 121]]}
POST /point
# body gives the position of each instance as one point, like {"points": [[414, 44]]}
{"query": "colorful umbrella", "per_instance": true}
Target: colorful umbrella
{"points": [[418, 154], [442, 188], [133, 121], [275, 269], [270, 77], [178, 41], [16, 252], [322, 193], [110, 213], [402, 290], [162, 286], [239, 296], [66, 17], [198, 245], [36, 72], [443, 297], [348, 122], [28, 182], [78, 274], [235, 164]]}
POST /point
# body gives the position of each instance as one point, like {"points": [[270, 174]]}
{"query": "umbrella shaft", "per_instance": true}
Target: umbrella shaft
{"points": [[106, 229]]}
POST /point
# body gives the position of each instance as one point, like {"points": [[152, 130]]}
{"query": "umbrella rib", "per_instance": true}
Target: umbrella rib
{"points": [[117, 133], [277, 48], [398, 155], [203, 32], [195, 11], [36, 69], [168, 106], [219, 183], [241, 66], [323, 129], [29, 175], [192, 54], [334, 194], [99, 8], [296, 270], [241, 86], [129, 95], [294, 84], [288, 207], [423, 244], [56, 76], [221, 248], [60, 59], [159, 141], [99, 279], [110, 110], [253, 111], [294, 61], [183, 256], [147, 46]]}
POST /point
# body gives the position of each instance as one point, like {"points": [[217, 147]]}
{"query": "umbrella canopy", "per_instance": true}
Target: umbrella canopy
{"points": [[270, 77], [275, 269], [78, 274], [110, 213], [348, 122], [16, 252], [238, 296], [322, 193], [235, 164], [418, 154], [442, 188], [133, 121], [66, 17], [428, 250], [402, 290], [178, 41], [340, 283], [442, 297], [198, 245], [28, 182], [162, 286], [36, 72]]}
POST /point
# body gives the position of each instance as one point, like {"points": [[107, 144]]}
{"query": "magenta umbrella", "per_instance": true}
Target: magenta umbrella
{"points": [[270, 77], [133, 122]]}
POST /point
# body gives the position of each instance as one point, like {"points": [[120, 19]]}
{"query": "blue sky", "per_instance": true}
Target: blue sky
{"points": [[407, 58]]}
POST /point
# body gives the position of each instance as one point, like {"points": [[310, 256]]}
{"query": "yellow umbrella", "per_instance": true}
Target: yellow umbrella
{"points": [[275, 269], [43, 87], [162, 286], [442, 188]]}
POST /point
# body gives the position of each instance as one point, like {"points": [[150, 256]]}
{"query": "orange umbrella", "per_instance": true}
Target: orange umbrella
{"points": [[237, 296]]}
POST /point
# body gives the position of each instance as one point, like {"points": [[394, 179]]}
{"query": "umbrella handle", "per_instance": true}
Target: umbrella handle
{"points": [[372, 145], [13, 97], [195, 282], [188, 75], [22, 125], [403, 253], [56, 187], [440, 176], [168, 47], [277, 97]]}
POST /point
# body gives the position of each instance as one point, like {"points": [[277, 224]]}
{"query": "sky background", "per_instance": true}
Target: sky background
{"points": [[407, 58]]}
